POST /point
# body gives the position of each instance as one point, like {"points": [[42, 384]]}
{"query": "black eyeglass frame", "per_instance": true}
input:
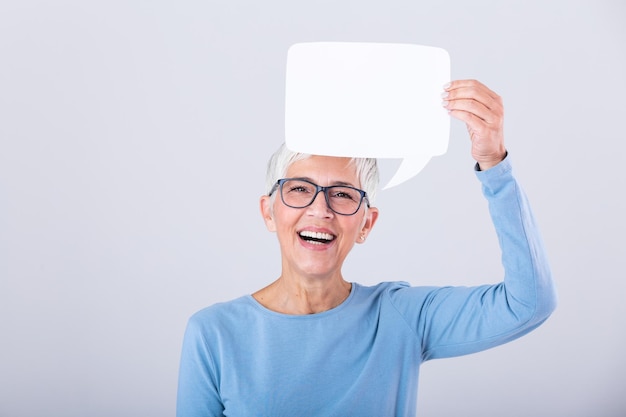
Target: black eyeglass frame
{"points": [[318, 189]]}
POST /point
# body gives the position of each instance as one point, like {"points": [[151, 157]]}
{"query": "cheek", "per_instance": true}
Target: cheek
{"points": [[360, 223], [353, 228], [284, 219]]}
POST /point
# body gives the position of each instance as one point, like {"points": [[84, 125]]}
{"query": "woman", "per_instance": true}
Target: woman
{"points": [[312, 343]]}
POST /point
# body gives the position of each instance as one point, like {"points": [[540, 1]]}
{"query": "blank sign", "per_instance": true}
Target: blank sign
{"points": [[368, 100]]}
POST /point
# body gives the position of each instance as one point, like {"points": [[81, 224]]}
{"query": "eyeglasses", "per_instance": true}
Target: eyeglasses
{"points": [[300, 193]]}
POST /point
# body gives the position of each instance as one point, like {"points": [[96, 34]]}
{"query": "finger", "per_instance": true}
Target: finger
{"points": [[474, 107], [473, 122], [472, 84], [474, 98], [488, 102], [477, 94]]}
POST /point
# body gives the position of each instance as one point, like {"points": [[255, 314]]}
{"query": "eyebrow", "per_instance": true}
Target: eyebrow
{"points": [[336, 183]]}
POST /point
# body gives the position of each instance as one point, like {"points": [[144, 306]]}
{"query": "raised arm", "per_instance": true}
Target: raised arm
{"points": [[452, 321]]}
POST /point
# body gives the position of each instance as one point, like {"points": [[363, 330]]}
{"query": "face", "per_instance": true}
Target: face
{"points": [[334, 235]]}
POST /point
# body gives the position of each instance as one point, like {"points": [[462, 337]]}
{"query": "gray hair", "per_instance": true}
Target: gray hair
{"points": [[366, 170]]}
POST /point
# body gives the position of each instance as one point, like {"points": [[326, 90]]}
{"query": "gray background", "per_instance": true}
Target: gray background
{"points": [[133, 142]]}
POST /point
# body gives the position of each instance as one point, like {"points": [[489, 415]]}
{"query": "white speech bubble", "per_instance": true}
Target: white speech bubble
{"points": [[369, 100]]}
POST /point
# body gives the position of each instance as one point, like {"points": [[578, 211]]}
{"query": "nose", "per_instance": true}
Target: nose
{"points": [[319, 206]]}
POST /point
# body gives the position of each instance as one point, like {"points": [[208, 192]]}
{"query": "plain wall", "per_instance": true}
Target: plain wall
{"points": [[133, 142]]}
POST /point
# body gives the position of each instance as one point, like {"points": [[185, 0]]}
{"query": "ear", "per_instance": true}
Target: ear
{"points": [[368, 223], [266, 212]]}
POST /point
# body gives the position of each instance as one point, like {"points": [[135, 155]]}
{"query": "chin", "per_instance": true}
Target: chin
{"points": [[317, 269]]}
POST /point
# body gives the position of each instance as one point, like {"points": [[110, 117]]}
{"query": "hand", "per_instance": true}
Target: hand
{"points": [[481, 109]]}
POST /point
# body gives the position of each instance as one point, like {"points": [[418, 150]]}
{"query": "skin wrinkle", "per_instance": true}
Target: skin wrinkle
{"points": [[447, 321], [311, 279]]}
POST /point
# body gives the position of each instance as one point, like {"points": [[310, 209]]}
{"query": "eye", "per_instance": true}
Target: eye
{"points": [[298, 187], [344, 194]]}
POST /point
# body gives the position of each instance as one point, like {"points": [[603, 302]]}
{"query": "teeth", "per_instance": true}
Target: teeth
{"points": [[316, 235]]}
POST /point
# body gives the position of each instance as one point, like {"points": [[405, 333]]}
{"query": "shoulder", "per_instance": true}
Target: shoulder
{"points": [[389, 286], [402, 294], [222, 315], [393, 290], [380, 288]]}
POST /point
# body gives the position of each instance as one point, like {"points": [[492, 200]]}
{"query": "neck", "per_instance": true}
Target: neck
{"points": [[290, 295]]}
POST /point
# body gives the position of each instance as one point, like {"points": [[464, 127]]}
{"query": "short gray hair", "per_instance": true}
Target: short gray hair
{"points": [[366, 170]]}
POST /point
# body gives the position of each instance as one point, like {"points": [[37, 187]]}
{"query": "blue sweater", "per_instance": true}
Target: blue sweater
{"points": [[362, 358]]}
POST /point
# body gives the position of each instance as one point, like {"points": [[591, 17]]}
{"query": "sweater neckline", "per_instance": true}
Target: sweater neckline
{"points": [[332, 311]]}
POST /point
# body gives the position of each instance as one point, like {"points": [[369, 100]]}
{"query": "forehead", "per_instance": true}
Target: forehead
{"points": [[325, 170]]}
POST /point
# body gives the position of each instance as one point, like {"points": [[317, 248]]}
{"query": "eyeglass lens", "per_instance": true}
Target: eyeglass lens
{"points": [[298, 193]]}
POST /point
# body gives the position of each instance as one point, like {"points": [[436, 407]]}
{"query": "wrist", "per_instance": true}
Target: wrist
{"points": [[490, 163]]}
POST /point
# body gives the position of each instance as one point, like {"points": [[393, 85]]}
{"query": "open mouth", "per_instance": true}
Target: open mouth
{"points": [[316, 237]]}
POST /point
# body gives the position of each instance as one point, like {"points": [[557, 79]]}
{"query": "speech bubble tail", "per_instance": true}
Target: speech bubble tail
{"points": [[409, 168]]}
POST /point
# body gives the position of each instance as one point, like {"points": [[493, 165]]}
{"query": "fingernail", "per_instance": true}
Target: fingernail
{"points": [[444, 94], [445, 103], [446, 86]]}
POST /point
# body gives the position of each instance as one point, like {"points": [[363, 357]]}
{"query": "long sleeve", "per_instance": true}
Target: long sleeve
{"points": [[362, 357], [453, 321], [197, 381]]}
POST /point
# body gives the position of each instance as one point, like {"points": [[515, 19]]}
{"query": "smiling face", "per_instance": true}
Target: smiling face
{"points": [[314, 241]]}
